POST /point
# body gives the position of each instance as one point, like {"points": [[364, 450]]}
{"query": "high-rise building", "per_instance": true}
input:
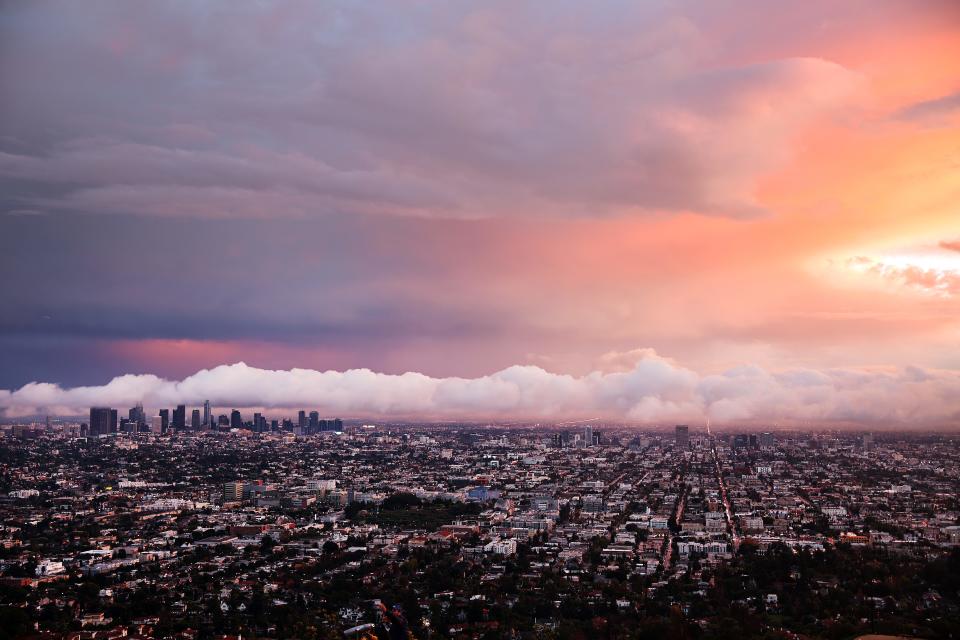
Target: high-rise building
{"points": [[164, 420], [180, 417], [195, 420], [766, 440], [314, 421], [137, 415], [682, 436], [207, 418], [113, 421], [232, 491], [302, 419], [236, 421], [588, 436], [336, 424], [100, 420]]}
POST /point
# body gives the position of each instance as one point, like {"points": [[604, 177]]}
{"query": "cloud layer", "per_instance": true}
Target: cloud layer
{"points": [[653, 390]]}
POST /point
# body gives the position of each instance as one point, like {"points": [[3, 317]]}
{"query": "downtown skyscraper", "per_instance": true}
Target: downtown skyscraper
{"points": [[101, 421]]}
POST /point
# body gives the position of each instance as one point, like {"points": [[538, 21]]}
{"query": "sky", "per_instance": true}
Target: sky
{"points": [[739, 211]]}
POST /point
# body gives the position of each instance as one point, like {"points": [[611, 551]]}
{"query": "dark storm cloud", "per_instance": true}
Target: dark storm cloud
{"points": [[446, 110], [74, 278]]}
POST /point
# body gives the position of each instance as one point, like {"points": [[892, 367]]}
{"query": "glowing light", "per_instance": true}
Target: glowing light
{"points": [[928, 274]]}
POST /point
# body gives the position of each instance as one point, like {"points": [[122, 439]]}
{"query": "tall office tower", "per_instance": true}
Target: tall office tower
{"points": [[558, 440], [99, 421], [314, 422], [754, 441], [113, 421], [180, 417], [766, 440], [302, 419], [236, 421], [597, 434], [223, 421], [682, 436], [256, 422], [207, 418], [195, 420], [137, 415], [335, 424], [740, 441], [164, 420], [867, 442], [588, 436], [274, 425]]}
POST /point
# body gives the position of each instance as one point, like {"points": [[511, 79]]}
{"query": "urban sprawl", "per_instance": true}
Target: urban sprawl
{"points": [[201, 526]]}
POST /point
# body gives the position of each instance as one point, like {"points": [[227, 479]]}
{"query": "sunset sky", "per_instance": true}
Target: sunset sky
{"points": [[667, 210]]}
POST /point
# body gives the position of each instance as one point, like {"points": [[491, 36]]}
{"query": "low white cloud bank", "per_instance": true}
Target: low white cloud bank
{"points": [[653, 390]]}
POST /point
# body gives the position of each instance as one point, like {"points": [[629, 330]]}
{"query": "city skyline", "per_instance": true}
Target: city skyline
{"points": [[106, 421], [655, 391], [652, 213]]}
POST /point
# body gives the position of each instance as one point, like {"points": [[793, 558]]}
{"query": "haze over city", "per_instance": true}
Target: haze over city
{"points": [[739, 213]]}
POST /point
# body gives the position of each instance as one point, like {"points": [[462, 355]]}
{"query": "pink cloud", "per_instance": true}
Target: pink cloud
{"points": [[940, 282]]}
